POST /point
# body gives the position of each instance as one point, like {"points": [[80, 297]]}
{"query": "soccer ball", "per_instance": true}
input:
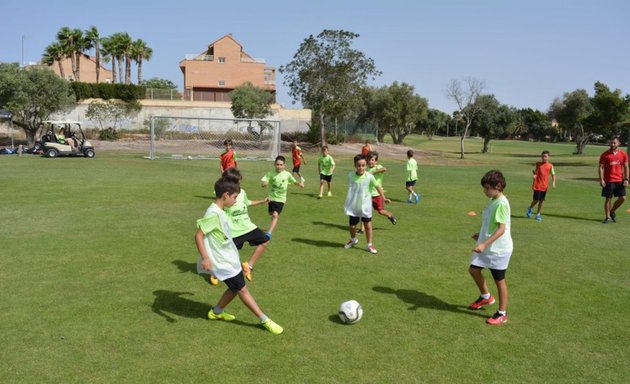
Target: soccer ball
{"points": [[189, 157], [350, 312]]}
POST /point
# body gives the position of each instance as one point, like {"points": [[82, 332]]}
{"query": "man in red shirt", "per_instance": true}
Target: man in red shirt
{"points": [[613, 177], [541, 181]]}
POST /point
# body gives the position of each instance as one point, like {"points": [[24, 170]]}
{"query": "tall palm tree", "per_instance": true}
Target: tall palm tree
{"points": [[83, 45], [54, 53], [121, 50], [108, 54], [140, 53], [95, 42], [67, 39]]}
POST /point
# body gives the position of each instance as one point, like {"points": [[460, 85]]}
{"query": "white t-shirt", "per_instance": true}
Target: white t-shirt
{"points": [[497, 255], [359, 199], [217, 240]]}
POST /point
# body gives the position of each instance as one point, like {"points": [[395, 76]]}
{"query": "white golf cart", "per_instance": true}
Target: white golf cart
{"points": [[63, 138]]}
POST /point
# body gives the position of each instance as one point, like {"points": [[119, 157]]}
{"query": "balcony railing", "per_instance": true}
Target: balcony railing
{"points": [[193, 56]]}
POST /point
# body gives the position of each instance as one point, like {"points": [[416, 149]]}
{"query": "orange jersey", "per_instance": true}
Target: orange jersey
{"points": [[541, 178], [365, 149], [228, 160], [296, 153]]}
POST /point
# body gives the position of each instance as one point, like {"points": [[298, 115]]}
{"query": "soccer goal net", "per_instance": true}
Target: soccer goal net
{"points": [[203, 138]]}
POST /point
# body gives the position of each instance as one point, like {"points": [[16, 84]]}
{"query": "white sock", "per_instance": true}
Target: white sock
{"points": [[502, 312], [485, 296]]}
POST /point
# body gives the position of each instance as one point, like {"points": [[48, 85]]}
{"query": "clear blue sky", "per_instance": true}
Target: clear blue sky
{"points": [[527, 52]]}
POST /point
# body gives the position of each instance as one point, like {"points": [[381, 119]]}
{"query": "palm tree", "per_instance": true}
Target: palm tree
{"points": [[94, 38], [108, 53], [83, 45], [141, 52], [70, 40], [121, 50], [54, 53]]}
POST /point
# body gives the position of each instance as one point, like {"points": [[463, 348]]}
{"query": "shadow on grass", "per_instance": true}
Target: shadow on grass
{"points": [[317, 243], [185, 266], [335, 319], [593, 179], [204, 197], [419, 299], [169, 303], [331, 225], [572, 217]]}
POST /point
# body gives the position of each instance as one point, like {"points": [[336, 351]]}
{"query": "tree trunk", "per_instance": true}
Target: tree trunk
{"points": [[461, 140], [120, 70], [78, 75], [114, 78], [61, 71], [580, 143], [486, 140], [98, 60], [140, 71], [322, 128]]}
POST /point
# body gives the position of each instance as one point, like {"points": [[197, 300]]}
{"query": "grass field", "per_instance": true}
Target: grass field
{"points": [[98, 282]]}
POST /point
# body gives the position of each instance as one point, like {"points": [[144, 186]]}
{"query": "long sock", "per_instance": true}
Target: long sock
{"points": [[502, 312], [217, 310], [263, 317], [485, 296]]}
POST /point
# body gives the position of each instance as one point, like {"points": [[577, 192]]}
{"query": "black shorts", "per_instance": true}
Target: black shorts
{"points": [[275, 206], [327, 178], [296, 169], [235, 283], [410, 183], [497, 274], [616, 189], [355, 220], [539, 195], [254, 238]]}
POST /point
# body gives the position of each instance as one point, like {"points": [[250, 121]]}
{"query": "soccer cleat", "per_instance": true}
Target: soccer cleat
{"points": [[480, 302], [247, 271], [372, 250], [497, 319], [319, 196], [302, 179], [409, 200], [613, 217], [417, 198], [268, 235], [272, 327], [214, 280], [351, 243], [393, 220], [538, 218], [606, 220], [220, 316], [329, 194], [529, 212]]}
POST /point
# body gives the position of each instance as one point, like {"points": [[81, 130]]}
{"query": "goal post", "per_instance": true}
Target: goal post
{"points": [[173, 137]]}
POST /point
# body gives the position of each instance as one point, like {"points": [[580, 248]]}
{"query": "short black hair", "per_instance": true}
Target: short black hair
{"points": [[545, 152], [227, 141], [410, 153], [359, 157], [280, 158], [372, 154], [232, 174], [494, 179], [225, 184]]}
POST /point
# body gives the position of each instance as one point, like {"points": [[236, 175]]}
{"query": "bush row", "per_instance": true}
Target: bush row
{"points": [[107, 91]]}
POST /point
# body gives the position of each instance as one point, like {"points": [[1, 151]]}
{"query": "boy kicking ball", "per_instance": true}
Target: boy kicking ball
{"points": [[494, 246], [218, 254]]}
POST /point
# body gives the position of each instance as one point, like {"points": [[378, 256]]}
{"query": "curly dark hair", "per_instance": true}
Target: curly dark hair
{"points": [[494, 179]]}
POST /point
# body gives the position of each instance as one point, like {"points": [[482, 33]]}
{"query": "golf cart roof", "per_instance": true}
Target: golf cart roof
{"points": [[59, 122]]}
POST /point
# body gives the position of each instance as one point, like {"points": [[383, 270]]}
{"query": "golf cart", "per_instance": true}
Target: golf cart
{"points": [[63, 138]]}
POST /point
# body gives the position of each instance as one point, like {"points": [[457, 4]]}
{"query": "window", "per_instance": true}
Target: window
{"points": [[221, 83], [221, 60]]}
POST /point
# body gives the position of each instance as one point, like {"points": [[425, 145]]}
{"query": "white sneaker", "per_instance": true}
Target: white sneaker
{"points": [[351, 243]]}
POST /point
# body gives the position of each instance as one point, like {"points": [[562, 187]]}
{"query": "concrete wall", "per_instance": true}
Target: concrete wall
{"points": [[292, 120]]}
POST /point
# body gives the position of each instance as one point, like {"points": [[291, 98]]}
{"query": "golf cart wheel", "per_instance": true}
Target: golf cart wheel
{"points": [[52, 152], [89, 153], [37, 147]]}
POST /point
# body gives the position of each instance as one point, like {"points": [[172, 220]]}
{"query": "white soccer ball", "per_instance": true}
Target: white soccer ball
{"points": [[350, 312], [189, 157]]}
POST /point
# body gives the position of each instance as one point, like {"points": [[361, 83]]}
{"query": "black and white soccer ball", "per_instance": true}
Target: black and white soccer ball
{"points": [[350, 312]]}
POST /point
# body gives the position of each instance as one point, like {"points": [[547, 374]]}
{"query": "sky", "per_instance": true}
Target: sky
{"points": [[527, 52]]}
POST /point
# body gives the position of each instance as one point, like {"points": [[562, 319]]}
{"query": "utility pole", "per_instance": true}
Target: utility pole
{"points": [[23, 38]]}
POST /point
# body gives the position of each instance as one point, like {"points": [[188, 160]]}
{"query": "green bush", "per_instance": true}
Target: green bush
{"points": [[107, 91], [109, 134]]}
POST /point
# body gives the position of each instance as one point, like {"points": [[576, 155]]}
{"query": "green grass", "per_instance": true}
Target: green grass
{"points": [[98, 279]]}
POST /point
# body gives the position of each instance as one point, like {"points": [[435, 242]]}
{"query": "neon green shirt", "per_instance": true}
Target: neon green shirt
{"points": [[238, 217], [219, 245], [412, 170], [326, 164], [278, 184], [378, 176]]}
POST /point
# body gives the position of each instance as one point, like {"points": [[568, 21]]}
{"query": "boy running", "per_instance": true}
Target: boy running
{"points": [[326, 166], [378, 171], [541, 182], [278, 181], [412, 177], [298, 159], [228, 158]]}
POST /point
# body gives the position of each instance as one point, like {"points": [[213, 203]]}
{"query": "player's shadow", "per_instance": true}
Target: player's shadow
{"points": [[419, 299], [331, 225], [168, 303], [572, 217], [204, 197], [317, 243], [185, 266]]}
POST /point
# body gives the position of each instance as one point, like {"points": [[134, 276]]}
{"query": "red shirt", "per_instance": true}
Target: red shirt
{"points": [[228, 160], [365, 149], [296, 152], [541, 180], [613, 165]]}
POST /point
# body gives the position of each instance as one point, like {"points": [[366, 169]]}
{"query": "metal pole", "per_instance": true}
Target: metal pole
{"points": [[151, 150]]}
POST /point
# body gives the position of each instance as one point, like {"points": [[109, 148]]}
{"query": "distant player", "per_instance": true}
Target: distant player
{"points": [[541, 181], [218, 254], [412, 177], [326, 166], [613, 177], [358, 205], [278, 181], [298, 160], [367, 148], [228, 158], [494, 246]]}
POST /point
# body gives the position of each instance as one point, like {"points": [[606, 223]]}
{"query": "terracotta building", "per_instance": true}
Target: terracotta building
{"points": [[87, 69], [214, 73]]}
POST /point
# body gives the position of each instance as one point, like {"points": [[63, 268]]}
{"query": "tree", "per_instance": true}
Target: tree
{"points": [[108, 54], [610, 111], [54, 53], [433, 122], [250, 102], [94, 39], [326, 75], [571, 111], [110, 112], [72, 44], [140, 52], [494, 120], [465, 95], [158, 83], [533, 124], [400, 110], [32, 95], [367, 110]]}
